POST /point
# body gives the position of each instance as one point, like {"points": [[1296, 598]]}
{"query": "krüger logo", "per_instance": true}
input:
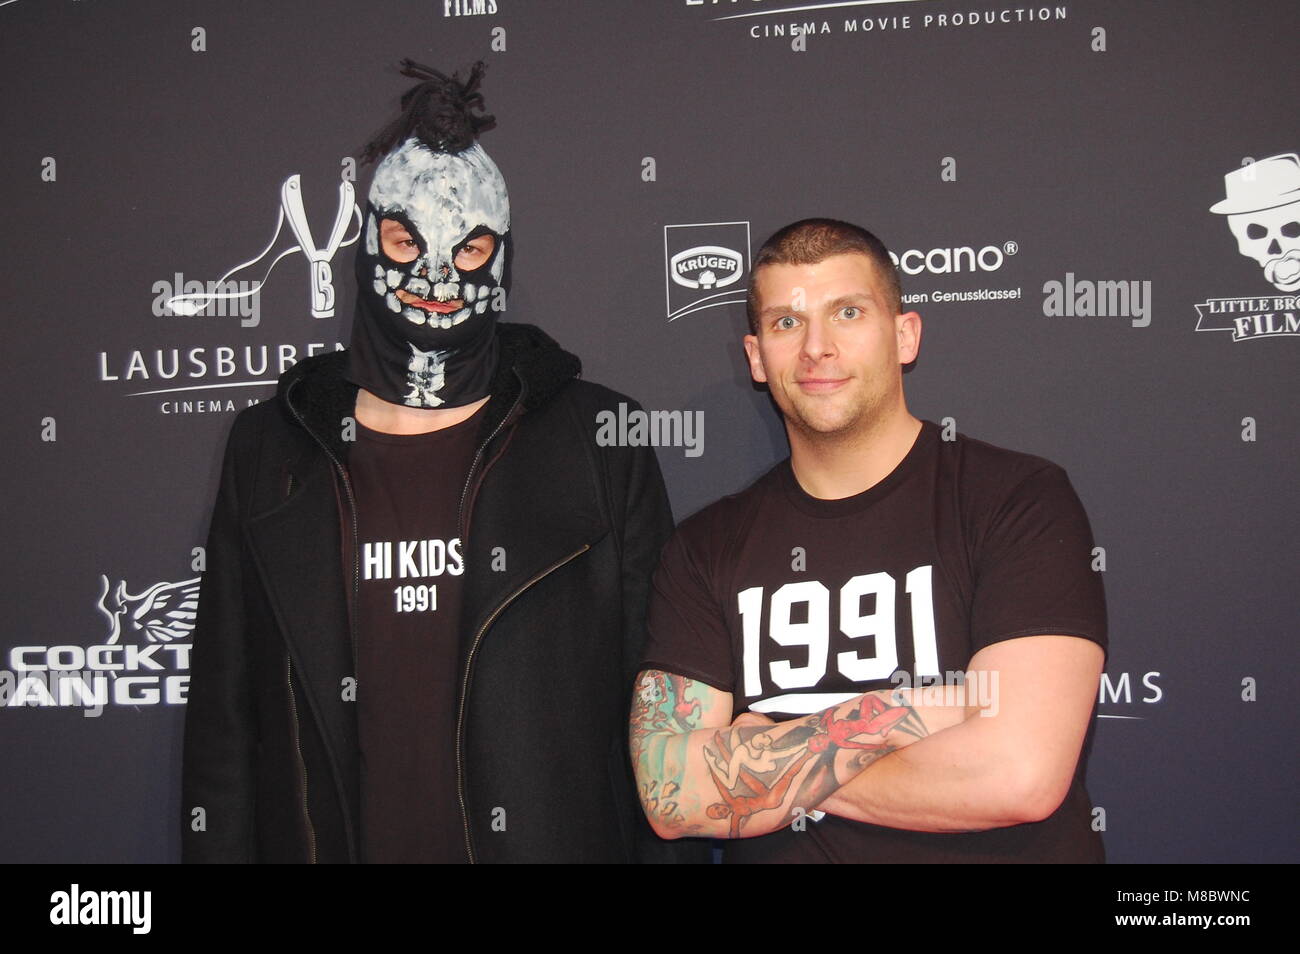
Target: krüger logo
{"points": [[706, 266]]}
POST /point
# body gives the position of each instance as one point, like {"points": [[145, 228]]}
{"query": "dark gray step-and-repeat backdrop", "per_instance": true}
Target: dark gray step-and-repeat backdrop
{"points": [[1094, 205]]}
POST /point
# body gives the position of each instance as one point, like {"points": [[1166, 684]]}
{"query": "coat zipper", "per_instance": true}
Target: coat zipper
{"points": [[469, 477], [352, 611], [302, 763], [352, 513], [469, 659], [464, 689]]}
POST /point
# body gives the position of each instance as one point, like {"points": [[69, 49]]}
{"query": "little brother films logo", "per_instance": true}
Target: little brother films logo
{"points": [[1262, 208]]}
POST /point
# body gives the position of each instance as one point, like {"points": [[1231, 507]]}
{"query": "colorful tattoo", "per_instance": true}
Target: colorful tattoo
{"points": [[662, 712], [753, 772], [754, 768]]}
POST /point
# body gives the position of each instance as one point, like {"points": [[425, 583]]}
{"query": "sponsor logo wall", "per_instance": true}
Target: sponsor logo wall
{"points": [[1102, 237]]}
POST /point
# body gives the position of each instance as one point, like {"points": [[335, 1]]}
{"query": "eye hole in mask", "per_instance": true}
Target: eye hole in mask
{"points": [[476, 251], [400, 244], [397, 241]]}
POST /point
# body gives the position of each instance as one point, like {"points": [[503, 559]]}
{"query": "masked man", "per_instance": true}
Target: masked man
{"points": [[427, 584]]}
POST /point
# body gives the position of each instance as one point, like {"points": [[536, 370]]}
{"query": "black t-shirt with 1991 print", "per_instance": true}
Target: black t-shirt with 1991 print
{"points": [[793, 604]]}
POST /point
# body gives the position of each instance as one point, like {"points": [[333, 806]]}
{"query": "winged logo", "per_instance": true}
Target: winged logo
{"points": [[162, 613]]}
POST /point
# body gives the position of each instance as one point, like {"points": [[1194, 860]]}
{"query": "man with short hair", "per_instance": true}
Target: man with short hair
{"points": [[879, 555]]}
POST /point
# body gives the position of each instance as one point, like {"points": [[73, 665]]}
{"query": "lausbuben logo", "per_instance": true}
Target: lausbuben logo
{"points": [[196, 300], [192, 375], [211, 378]]}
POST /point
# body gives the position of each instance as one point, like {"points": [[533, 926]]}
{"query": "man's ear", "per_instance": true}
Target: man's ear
{"points": [[908, 327], [755, 360]]}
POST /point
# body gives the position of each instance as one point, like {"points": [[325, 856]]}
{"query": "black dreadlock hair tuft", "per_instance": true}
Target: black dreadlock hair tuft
{"points": [[440, 112]]}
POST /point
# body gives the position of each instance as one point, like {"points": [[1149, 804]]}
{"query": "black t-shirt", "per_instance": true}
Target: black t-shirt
{"points": [[794, 604], [408, 490]]}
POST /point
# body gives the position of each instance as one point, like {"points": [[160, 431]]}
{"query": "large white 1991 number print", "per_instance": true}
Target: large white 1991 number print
{"points": [[814, 632]]}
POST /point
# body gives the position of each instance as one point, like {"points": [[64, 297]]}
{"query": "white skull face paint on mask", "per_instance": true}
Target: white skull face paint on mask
{"points": [[431, 277], [433, 267], [443, 200]]}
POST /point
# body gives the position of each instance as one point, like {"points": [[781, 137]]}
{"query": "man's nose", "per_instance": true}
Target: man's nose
{"points": [[819, 340]]}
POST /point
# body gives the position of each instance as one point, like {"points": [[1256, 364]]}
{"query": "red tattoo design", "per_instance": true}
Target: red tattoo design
{"points": [[841, 732]]}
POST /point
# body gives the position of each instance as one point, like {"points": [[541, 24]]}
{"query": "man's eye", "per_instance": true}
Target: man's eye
{"points": [[849, 311], [786, 322]]}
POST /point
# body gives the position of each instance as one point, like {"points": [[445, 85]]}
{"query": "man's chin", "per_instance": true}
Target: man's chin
{"points": [[825, 423], [826, 431]]}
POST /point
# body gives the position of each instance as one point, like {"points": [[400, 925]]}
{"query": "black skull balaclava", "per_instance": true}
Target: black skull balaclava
{"points": [[424, 334]]}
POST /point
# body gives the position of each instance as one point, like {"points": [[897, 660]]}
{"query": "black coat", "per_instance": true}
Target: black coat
{"points": [[549, 646]]}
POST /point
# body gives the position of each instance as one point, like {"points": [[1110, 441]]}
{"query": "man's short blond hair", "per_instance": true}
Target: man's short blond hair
{"points": [[810, 241]]}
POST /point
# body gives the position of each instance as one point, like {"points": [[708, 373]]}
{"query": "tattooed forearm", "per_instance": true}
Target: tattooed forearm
{"points": [[664, 711], [821, 751], [699, 776]]}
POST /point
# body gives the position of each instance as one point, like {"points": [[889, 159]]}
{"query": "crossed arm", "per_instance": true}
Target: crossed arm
{"points": [[698, 774], [1007, 769]]}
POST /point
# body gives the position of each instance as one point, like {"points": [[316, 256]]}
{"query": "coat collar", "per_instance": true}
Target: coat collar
{"points": [[316, 392]]}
